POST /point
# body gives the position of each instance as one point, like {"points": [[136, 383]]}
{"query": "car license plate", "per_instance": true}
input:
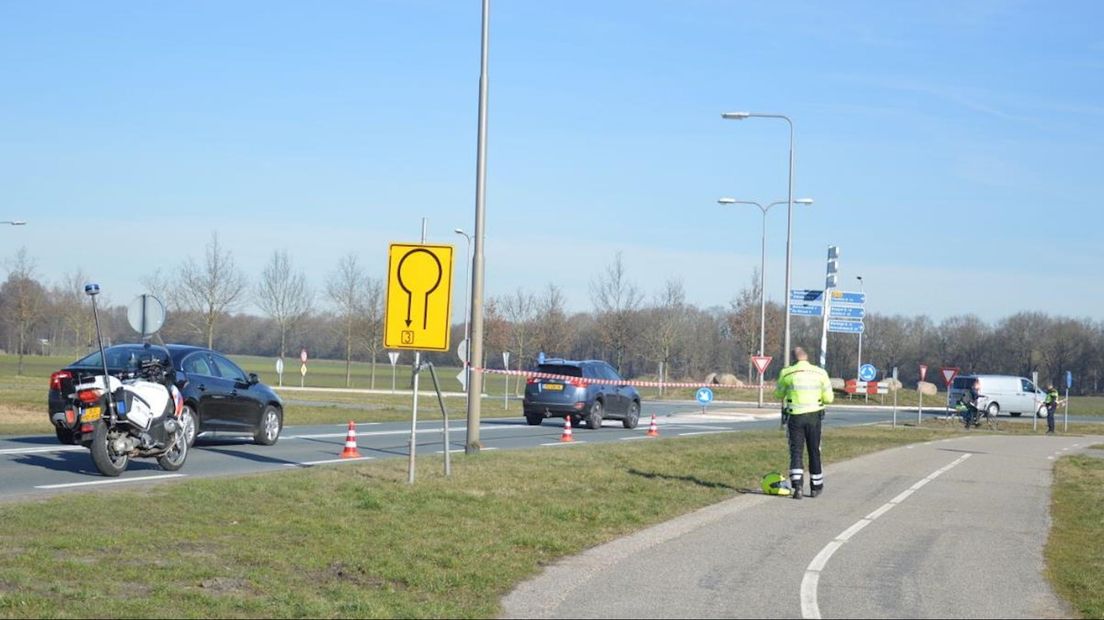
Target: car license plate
{"points": [[91, 414], [552, 387]]}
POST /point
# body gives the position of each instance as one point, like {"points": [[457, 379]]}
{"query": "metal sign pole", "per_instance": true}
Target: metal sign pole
{"points": [[414, 404], [1065, 423]]}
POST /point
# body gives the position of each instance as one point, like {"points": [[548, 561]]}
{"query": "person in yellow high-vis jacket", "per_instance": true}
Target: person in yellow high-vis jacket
{"points": [[804, 390]]}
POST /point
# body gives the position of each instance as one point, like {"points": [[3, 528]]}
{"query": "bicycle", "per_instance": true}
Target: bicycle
{"points": [[982, 411]]}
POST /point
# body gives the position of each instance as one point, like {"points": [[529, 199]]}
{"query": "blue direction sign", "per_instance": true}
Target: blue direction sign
{"points": [[704, 395], [847, 297], [806, 310], [800, 295], [845, 326], [867, 372], [846, 312], [1069, 379]]}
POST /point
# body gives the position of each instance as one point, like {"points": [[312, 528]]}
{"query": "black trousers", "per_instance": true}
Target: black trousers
{"points": [[804, 434], [1050, 417]]}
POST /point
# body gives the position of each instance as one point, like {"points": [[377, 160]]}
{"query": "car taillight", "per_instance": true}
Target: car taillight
{"points": [[89, 396], [56, 378], [531, 380], [579, 383]]}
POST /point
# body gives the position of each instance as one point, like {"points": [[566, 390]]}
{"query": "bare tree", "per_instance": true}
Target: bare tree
{"points": [[24, 298], [75, 315], [345, 289], [210, 290], [519, 309], [283, 295], [616, 302], [668, 320], [553, 333], [371, 322]]}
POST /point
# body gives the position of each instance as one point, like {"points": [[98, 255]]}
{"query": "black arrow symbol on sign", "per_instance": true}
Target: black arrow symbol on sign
{"points": [[409, 293]]}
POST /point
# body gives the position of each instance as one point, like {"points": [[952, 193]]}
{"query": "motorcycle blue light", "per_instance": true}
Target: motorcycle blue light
{"points": [[120, 407]]}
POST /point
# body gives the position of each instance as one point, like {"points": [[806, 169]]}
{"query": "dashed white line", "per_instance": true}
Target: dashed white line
{"points": [[810, 581], [311, 463], [37, 450], [707, 433], [563, 443], [111, 481]]}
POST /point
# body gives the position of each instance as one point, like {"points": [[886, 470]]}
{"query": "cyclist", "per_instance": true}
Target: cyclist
{"points": [[969, 400]]}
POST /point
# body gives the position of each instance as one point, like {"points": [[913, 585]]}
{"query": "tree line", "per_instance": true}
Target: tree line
{"points": [[661, 335]]}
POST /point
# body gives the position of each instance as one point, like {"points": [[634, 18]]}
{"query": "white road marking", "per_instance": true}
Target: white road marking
{"points": [[402, 432], [37, 450], [111, 481], [810, 581], [310, 463], [635, 438], [707, 433], [455, 450], [564, 443]]}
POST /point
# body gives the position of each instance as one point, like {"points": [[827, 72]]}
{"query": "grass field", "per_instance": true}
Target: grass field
{"points": [[1075, 548], [357, 541]]}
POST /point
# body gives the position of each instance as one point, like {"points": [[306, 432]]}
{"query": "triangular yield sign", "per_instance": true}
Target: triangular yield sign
{"points": [[949, 374], [761, 362]]}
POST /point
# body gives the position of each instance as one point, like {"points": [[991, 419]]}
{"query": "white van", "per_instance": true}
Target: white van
{"points": [[1014, 395]]}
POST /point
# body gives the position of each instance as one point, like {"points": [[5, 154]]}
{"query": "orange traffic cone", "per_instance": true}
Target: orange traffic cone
{"points": [[653, 430], [566, 436], [350, 451]]}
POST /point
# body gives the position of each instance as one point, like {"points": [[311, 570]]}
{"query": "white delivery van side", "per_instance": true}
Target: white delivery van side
{"points": [[1003, 393]]}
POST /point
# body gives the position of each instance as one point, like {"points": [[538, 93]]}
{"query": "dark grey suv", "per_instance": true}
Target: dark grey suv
{"points": [[588, 390]]}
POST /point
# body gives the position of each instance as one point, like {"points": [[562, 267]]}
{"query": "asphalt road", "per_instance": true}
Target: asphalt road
{"points": [[35, 466], [947, 529]]}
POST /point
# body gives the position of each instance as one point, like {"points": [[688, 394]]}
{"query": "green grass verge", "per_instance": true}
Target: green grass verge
{"points": [[356, 540], [1075, 548]]}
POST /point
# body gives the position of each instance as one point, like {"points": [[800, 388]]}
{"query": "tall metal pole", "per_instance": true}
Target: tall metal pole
{"points": [[789, 244], [858, 363], [414, 412], [467, 307], [762, 297], [475, 385]]}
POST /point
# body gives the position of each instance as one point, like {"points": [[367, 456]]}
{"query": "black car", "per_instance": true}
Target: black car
{"points": [[588, 390], [218, 395]]}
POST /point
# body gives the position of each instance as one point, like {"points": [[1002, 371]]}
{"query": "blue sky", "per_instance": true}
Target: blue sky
{"points": [[953, 149]]}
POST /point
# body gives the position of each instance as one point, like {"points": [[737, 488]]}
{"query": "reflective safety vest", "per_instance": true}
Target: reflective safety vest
{"points": [[1052, 397], [804, 388]]}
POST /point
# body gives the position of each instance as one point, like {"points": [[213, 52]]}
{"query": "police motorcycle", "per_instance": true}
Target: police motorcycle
{"points": [[135, 416]]}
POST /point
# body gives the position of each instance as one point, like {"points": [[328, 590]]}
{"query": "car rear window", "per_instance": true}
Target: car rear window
{"points": [[126, 358], [561, 369]]}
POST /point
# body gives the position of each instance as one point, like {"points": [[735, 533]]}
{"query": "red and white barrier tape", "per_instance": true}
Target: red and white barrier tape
{"points": [[665, 384]]}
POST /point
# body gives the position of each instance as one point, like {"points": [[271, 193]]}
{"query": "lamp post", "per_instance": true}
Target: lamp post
{"points": [[467, 307], [739, 116], [14, 222], [763, 270]]}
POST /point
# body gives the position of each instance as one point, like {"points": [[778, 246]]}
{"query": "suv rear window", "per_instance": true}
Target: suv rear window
{"points": [[561, 369], [962, 383]]}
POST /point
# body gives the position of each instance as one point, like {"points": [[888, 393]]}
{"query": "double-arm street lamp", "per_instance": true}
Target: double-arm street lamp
{"points": [[763, 270], [739, 116]]}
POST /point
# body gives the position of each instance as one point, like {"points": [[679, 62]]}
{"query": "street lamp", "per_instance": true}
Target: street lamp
{"points": [[763, 270], [14, 222], [739, 116], [467, 308]]}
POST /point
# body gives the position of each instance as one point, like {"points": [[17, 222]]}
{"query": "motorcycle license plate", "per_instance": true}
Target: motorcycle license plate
{"points": [[91, 414], [552, 387]]}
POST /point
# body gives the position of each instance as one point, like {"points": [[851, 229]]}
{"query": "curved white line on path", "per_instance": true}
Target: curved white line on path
{"points": [[809, 583]]}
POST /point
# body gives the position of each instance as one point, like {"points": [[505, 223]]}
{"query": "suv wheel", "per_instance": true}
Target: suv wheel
{"points": [[632, 417], [534, 419], [594, 416]]}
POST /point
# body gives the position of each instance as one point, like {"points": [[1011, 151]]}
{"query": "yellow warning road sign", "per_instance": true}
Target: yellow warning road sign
{"points": [[419, 297]]}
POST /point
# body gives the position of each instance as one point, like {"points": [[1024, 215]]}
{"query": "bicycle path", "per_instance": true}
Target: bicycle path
{"points": [[947, 529]]}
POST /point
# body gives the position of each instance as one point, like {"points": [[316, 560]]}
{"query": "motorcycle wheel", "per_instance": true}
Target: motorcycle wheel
{"points": [[173, 459], [105, 459]]}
